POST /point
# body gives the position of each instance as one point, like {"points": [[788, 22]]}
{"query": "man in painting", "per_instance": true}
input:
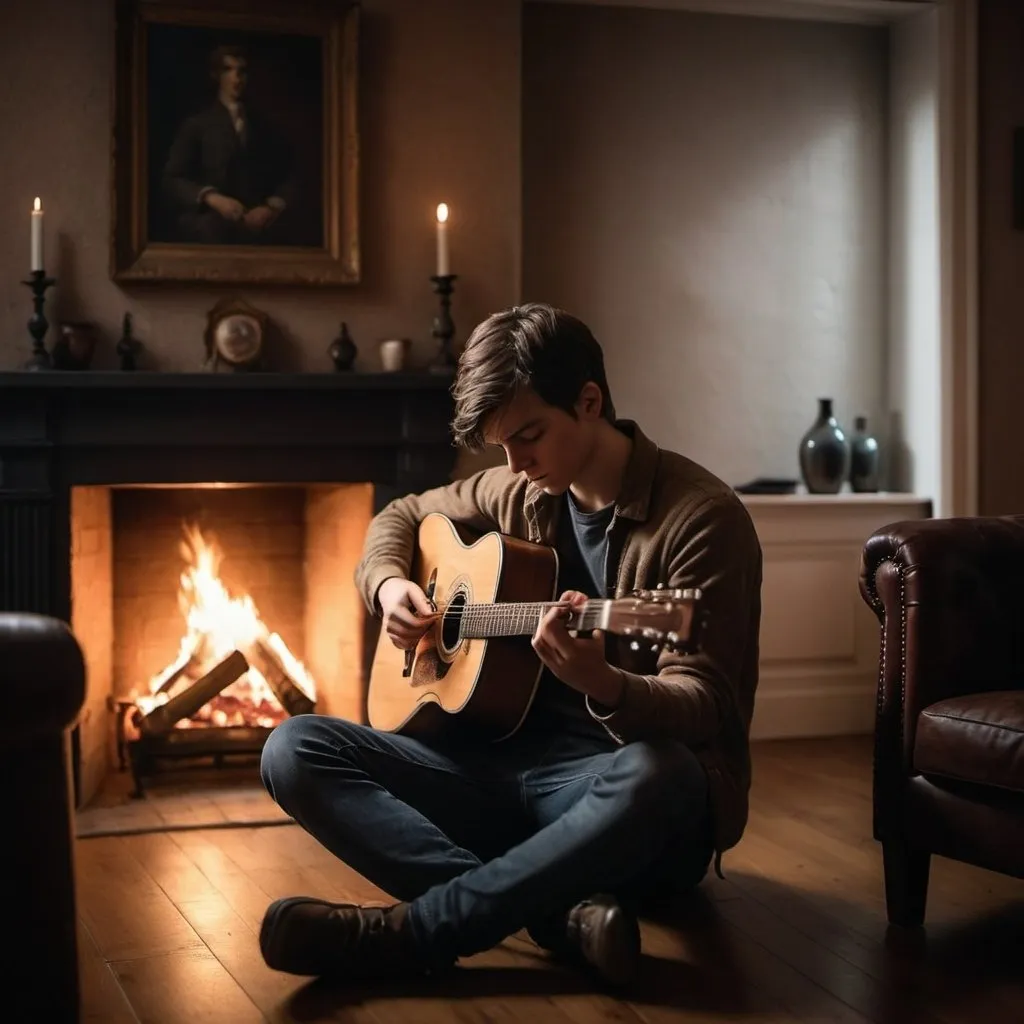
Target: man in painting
{"points": [[227, 177]]}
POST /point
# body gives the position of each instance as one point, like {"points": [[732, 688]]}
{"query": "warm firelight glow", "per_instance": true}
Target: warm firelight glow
{"points": [[215, 625]]}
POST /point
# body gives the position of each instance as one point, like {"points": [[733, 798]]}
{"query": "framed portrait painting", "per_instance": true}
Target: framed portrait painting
{"points": [[235, 154]]}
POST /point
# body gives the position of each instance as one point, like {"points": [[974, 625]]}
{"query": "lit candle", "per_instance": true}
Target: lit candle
{"points": [[442, 239], [37, 236]]}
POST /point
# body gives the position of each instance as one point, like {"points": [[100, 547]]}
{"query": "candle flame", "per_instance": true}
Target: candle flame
{"points": [[442, 212], [37, 205]]}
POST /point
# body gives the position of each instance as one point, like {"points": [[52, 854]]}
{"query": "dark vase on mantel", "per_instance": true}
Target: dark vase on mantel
{"points": [[342, 350], [824, 453], [864, 458]]}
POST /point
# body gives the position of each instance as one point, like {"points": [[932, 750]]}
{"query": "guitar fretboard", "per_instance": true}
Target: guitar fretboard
{"points": [[480, 621]]}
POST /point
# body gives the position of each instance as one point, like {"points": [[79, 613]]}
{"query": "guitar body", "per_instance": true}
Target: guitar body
{"points": [[488, 684]]}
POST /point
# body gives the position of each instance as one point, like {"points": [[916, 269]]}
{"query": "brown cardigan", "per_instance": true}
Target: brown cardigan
{"points": [[674, 523]]}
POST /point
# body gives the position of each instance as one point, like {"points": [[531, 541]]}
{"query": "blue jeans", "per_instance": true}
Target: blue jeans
{"points": [[483, 841]]}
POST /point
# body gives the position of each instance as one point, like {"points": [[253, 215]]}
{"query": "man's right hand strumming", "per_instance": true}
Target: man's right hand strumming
{"points": [[406, 611]]}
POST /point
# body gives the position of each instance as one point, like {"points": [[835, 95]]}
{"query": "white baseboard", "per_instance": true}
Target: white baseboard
{"points": [[832, 711]]}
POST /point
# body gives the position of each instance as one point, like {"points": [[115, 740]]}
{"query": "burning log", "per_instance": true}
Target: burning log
{"points": [[188, 662], [290, 695], [162, 719]]}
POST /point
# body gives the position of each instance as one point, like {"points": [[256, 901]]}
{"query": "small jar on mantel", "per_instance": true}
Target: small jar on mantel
{"points": [[864, 458], [342, 350]]}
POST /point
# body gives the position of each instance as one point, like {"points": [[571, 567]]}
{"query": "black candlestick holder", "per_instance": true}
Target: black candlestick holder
{"points": [[444, 327], [38, 324]]}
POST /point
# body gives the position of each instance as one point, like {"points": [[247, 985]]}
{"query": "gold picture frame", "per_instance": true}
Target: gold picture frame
{"points": [[236, 146]]}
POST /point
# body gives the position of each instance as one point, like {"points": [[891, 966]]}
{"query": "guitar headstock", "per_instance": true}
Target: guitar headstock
{"points": [[660, 618]]}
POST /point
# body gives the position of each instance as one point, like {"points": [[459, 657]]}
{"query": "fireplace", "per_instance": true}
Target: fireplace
{"points": [[200, 534], [208, 614]]}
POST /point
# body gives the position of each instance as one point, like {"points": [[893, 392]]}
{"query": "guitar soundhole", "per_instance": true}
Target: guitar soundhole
{"points": [[451, 622]]}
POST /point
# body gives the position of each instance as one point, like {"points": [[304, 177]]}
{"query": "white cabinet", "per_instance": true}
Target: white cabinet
{"points": [[819, 640]]}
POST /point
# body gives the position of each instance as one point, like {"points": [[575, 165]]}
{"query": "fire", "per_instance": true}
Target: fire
{"points": [[215, 625]]}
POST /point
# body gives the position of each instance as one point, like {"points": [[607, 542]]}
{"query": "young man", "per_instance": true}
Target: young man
{"points": [[631, 769]]}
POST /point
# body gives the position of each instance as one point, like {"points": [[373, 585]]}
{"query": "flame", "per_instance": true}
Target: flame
{"points": [[442, 212], [215, 625]]}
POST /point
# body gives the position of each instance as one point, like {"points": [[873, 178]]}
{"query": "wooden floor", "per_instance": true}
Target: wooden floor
{"points": [[796, 932]]}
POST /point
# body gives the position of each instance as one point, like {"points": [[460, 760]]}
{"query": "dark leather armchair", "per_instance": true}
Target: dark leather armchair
{"points": [[949, 728], [42, 686]]}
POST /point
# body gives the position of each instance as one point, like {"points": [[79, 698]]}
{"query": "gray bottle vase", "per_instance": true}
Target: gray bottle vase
{"points": [[864, 458], [824, 453]]}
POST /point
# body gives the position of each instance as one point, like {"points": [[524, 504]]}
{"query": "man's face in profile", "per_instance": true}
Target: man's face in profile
{"points": [[233, 76]]}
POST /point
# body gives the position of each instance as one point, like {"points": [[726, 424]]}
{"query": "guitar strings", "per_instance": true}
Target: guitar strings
{"points": [[516, 619], [516, 606], [487, 620]]}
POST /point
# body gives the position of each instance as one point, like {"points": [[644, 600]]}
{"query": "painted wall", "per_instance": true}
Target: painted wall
{"points": [[915, 442], [711, 199]]}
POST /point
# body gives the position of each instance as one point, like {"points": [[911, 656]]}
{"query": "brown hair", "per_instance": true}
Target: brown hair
{"points": [[216, 60], [535, 346]]}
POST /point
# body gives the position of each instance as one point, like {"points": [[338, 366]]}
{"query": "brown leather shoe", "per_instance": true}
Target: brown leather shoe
{"points": [[599, 934], [302, 935]]}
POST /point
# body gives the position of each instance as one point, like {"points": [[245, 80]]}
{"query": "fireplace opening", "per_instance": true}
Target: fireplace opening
{"points": [[208, 614]]}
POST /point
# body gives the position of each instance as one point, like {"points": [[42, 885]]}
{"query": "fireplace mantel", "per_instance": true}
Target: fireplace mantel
{"points": [[59, 430]]}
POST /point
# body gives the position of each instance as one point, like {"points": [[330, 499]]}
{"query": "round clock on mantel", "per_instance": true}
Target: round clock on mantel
{"points": [[235, 335]]}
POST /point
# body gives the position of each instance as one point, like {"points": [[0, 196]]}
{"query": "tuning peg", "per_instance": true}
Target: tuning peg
{"points": [[654, 648], [672, 639], [634, 645]]}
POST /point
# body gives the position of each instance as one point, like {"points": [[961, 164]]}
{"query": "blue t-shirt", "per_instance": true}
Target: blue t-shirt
{"points": [[582, 546]]}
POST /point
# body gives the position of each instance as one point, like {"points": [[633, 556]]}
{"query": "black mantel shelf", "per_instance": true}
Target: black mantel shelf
{"points": [[161, 381], [61, 430]]}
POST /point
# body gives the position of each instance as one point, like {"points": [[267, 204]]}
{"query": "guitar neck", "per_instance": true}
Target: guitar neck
{"points": [[513, 618]]}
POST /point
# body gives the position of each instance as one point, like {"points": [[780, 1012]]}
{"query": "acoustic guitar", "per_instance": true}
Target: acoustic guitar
{"points": [[475, 663]]}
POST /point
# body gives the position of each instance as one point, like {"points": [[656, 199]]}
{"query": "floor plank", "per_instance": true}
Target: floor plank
{"points": [[234, 943], [168, 865], [239, 891], [127, 913], [103, 1001], [185, 987]]}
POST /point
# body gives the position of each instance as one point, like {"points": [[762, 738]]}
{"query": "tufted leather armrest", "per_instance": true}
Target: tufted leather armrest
{"points": [[42, 686], [949, 594], [42, 677]]}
